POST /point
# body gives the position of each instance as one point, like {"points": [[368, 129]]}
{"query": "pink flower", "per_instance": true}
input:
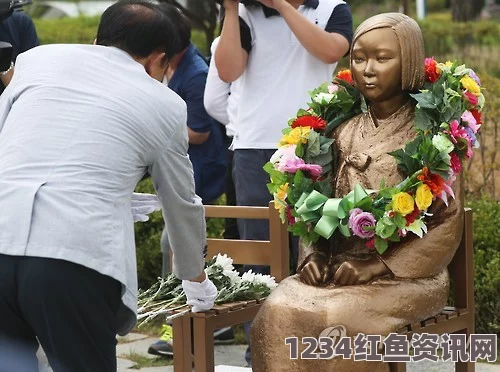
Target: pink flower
{"points": [[313, 169], [471, 98], [332, 88], [359, 221], [292, 165], [456, 164], [471, 121], [456, 131]]}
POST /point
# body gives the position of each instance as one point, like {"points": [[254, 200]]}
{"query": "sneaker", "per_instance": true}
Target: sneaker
{"points": [[161, 347], [223, 336]]}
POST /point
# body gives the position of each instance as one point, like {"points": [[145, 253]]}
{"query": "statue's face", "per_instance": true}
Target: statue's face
{"points": [[376, 65]]}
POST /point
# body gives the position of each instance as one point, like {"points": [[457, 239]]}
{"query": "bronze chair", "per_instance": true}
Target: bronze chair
{"points": [[274, 252], [459, 318]]}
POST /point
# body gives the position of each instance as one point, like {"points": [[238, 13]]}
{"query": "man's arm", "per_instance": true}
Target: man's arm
{"points": [[216, 92], [326, 46], [172, 175], [230, 57], [198, 121]]}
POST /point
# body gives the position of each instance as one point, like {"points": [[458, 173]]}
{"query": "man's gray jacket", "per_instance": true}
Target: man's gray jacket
{"points": [[79, 127]]}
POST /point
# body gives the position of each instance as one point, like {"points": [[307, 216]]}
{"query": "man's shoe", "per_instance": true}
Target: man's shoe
{"points": [[223, 336], [161, 347]]}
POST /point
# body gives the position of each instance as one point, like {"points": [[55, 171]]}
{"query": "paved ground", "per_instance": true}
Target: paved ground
{"points": [[231, 358]]}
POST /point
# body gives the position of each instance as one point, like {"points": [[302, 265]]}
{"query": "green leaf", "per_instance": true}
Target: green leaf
{"points": [[388, 192], [299, 150], [381, 245], [399, 220], [425, 99], [313, 146], [365, 204]]}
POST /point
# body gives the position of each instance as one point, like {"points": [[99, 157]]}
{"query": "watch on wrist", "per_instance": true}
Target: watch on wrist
{"points": [[3, 73]]}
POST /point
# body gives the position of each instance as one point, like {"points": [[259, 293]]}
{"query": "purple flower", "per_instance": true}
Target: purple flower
{"points": [[359, 221], [293, 165], [471, 135], [473, 75]]}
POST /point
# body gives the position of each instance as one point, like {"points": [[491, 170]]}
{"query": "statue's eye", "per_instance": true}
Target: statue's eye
{"points": [[383, 58], [358, 59]]}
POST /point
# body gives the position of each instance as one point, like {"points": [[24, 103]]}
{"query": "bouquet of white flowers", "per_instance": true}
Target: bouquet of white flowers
{"points": [[166, 295]]}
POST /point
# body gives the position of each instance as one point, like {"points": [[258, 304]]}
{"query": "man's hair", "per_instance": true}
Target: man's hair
{"points": [[411, 43], [181, 24], [139, 27]]}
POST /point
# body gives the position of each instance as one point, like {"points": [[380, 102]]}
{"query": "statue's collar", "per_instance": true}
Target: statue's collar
{"points": [[269, 12]]}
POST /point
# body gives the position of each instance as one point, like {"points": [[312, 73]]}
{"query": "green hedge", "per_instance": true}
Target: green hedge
{"points": [[486, 216], [82, 30]]}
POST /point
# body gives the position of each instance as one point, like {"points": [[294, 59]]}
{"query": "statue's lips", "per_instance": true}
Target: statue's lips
{"points": [[369, 85]]}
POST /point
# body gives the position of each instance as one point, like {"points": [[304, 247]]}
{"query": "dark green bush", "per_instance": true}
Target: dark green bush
{"points": [[486, 212], [82, 30]]}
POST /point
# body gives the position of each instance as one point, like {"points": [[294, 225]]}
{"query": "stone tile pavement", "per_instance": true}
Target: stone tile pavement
{"points": [[231, 358]]}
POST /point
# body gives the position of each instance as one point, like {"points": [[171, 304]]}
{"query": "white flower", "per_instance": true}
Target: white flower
{"points": [[254, 278], [225, 262], [323, 98], [442, 143], [283, 153], [418, 227]]}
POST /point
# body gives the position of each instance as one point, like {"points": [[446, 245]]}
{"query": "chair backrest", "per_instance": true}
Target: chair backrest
{"points": [[273, 252], [461, 267]]}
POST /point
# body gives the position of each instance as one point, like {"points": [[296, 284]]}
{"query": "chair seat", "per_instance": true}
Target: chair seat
{"points": [[449, 312]]}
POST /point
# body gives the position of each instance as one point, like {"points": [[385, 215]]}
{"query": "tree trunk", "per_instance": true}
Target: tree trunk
{"points": [[466, 10]]}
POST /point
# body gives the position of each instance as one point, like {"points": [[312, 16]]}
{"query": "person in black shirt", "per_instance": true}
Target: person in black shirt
{"points": [[17, 29]]}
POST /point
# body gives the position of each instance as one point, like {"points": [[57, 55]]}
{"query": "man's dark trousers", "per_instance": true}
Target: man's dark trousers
{"points": [[70, 309]]}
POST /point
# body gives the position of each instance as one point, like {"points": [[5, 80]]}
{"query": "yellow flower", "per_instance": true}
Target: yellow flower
{"points": [[423, 197], [403, 203], [448, 64], [295, 135], [280, 196], [469, 84]]}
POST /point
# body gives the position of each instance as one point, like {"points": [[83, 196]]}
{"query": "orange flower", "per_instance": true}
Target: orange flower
{"points": [[345, 75], [432, 72], [312, 121], [434, 181]]}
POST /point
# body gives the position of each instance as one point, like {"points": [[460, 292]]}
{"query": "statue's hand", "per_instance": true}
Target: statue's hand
{"points": [[314, 270], [360, 271]]}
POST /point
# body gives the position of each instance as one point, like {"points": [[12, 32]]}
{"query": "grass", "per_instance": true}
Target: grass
{"points": [[142, 361]]}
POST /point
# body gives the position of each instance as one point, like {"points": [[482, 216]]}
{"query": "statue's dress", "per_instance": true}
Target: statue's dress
{"points": [[420, 285]]}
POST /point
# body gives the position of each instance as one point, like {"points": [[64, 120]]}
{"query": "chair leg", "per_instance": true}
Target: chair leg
{"points": [[182, 344], [465, 366], [203, 345], [397, 367]]}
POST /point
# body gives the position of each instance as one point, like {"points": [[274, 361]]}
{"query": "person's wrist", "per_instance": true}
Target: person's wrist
{"points": [[230, 5], [281, 5], [200, 278], [3, 73]]}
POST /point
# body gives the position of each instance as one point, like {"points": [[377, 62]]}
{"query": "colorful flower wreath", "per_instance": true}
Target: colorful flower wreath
{"points": [[447, 119]]}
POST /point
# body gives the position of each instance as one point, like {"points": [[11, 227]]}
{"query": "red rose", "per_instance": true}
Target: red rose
{"points": [[313, 121], [410, 218], [477, 116], [432, 72], [345, 75]]}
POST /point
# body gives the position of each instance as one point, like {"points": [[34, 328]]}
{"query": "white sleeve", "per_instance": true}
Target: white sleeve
{"points": [[216, 92]]}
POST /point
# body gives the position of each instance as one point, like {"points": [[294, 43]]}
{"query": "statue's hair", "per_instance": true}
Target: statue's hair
{"points": [[411, 43]]}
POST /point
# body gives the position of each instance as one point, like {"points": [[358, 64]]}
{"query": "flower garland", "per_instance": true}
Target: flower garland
{"points": [[167, 294], [447, 120]]}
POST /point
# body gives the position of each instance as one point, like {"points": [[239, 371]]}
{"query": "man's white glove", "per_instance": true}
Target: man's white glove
{"points": [[144, 204], [200, 296]]}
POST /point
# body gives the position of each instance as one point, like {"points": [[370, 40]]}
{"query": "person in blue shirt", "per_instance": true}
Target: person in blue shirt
{"points": [[187, 75], [17, 29]]}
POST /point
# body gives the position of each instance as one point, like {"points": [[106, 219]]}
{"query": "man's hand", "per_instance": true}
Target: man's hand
{"points": [[144, 204], [200, 295], [314, 270], [355, 272]]}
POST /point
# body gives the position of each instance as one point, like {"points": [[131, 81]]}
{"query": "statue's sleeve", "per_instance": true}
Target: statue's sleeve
{"points": [[419, 258]]}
